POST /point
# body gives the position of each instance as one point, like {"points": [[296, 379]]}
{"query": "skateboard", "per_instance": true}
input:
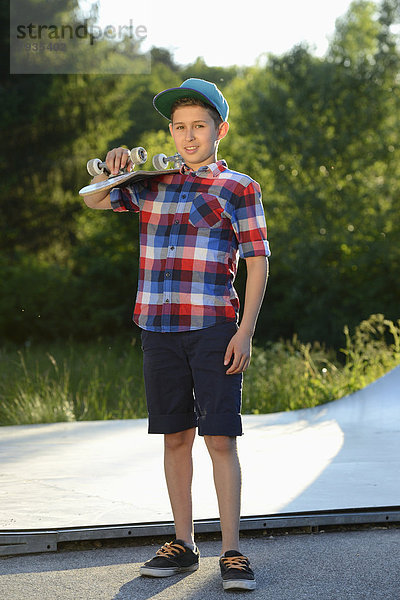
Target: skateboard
{"points": [[138, 156]]}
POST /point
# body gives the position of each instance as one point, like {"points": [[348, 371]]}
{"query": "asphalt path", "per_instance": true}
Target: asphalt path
{"points": [[345, 565]]}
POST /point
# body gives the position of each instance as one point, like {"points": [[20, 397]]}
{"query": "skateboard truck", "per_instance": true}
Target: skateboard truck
{"points": [[160, 161], [96, 167]]}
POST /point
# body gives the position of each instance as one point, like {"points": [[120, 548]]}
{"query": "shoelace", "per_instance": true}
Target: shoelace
{"points": [[170, 549], [235, 562]]}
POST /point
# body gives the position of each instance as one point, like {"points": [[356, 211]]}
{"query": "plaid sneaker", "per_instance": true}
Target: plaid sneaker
{"points": [[236, 572], [174, 557]]}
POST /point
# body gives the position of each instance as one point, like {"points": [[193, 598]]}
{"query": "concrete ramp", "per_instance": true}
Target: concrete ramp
{"points": [[345, 454]]}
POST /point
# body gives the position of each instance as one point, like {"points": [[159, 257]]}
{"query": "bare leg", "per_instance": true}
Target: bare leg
{"points": [[178, 468], [227, 479]]}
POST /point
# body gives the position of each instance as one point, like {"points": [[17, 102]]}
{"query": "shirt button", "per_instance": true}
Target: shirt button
{"points": [[172, 248], [177, 221], [167, 274], [166, 300], [183, 196]]}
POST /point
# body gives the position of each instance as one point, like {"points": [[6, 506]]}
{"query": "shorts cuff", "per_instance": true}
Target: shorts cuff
{"points": [[229, 424], [172, 423]]}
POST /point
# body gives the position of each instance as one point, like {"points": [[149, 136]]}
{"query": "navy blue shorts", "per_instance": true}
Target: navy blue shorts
{"points": [[186, 381]]}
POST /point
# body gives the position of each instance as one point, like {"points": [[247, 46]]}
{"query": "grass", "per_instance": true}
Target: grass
{"points": [[101, 380], [290, 375], [71, 382]]}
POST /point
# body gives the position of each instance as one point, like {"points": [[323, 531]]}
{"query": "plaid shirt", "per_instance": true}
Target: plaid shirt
{"points": [[193, 225]]}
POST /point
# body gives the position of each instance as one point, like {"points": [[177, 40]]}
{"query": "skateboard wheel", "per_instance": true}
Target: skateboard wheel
{"points": [[160, 162], [138, 155], [93, 167]]}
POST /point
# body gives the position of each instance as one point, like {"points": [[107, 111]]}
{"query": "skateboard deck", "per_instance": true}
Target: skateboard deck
{"points": [[123, 178]]}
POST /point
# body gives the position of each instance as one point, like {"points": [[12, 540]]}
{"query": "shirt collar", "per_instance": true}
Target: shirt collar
{"points": [[211, 170]]}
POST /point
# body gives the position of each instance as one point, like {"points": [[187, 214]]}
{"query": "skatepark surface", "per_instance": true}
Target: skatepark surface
{"points": [[342, 455], [345, 454], [352, 565]]}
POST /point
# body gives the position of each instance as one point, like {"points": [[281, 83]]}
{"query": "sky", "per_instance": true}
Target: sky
{"points": [[228, 33]]}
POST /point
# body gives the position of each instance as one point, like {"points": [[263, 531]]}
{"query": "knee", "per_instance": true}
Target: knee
{"points": [[220, 444], [180, 441]]}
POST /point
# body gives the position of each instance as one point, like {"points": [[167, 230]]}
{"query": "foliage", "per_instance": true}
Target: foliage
{"points": [[321, 135], [103, 379], [291, 375], [68, 382], [324, 146]]}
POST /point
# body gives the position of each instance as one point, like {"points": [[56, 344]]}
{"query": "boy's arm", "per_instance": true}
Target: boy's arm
{"points": [[116, 159], [240, 345], [101, 200]]}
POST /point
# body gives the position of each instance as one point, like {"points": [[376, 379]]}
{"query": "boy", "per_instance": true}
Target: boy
{"points": [[192, 226]]}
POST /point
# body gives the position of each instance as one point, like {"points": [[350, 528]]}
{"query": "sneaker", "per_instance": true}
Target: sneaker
{"points": [[236, 572], [174, 557]]}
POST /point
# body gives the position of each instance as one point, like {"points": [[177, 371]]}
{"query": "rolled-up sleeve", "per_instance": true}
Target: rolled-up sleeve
{"points": [[124, 199], [248, 222]]}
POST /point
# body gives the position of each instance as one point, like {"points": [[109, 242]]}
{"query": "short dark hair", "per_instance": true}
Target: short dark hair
{"points": [[216, 117]]}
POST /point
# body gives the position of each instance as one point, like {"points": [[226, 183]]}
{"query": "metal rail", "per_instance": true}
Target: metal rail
{"points": [[13, 542]]}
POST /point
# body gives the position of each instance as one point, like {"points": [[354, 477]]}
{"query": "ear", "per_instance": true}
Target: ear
{"points": [[170, 128], [223, 130]]}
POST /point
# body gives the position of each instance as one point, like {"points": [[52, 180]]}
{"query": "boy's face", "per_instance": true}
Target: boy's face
{"points": [[196, 136]]}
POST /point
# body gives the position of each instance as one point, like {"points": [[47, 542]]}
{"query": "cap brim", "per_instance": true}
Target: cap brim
{"points": [[164, 100]]}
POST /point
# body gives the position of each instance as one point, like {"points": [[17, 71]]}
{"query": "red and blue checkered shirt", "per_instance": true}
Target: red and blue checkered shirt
{"points": [[193, 228]]}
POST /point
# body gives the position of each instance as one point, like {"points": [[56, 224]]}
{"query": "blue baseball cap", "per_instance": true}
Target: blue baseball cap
{"points": [[192, 88]]}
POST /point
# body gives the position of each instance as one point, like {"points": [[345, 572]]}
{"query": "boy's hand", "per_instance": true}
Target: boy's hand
{"points": [[117, 159], [240, 349]]}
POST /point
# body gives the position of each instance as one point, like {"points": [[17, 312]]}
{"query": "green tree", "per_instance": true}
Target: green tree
{"points": [[324, 139], [321, 135]]}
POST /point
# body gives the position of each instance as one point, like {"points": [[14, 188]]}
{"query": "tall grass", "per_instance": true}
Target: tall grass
{"points": [[290, 375], [68, 382], [102, 380]]}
